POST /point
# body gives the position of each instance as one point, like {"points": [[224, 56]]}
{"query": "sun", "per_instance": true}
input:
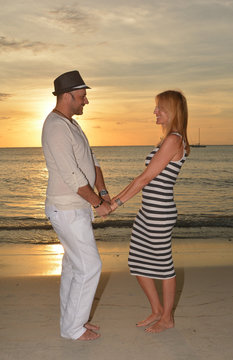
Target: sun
{"points": [[45, 107], [41, 111]]}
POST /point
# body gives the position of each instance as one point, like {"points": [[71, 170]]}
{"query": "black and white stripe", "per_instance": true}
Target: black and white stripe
{"points": [[150, 247]]}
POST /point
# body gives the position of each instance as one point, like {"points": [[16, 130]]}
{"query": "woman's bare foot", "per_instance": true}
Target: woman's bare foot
{"points": [[152, 318], [89, 335], [90, 326], [160, 326]]}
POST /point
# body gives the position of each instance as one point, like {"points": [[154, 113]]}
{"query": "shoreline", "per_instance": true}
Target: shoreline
{"points": [[45, 260]]}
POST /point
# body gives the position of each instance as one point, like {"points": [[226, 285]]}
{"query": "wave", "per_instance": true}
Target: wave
{"points": [[184, 221]]}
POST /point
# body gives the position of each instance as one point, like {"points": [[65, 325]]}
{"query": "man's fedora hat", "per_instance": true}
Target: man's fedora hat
{"points": [[69, 81]]}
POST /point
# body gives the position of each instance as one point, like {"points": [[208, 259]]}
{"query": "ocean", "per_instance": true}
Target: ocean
{"points": [[203, 194]]}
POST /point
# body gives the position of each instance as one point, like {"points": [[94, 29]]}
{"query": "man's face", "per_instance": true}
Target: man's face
{"points": [[77, 101]]}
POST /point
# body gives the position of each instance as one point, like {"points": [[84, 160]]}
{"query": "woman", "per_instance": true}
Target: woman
{"points": [[150, 255]]}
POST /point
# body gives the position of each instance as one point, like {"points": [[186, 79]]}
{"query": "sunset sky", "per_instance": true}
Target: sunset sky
{"points": [[126, 51]]}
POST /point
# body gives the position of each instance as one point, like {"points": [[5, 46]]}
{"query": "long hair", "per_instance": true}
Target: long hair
{"points": [[174, 102]]}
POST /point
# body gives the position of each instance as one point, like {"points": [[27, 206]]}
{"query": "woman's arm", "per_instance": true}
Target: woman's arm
{"points": [[164, 155]]}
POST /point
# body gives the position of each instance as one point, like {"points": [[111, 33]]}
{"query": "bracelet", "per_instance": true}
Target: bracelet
{"points": [[101, 202], [119, 202], [103, 192]]}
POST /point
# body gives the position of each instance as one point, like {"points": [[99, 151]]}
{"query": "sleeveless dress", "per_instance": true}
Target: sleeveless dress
{"points": [[150, 253]]}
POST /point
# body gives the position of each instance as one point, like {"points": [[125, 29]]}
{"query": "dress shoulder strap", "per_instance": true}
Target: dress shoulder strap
{"points": [[176, 133]]}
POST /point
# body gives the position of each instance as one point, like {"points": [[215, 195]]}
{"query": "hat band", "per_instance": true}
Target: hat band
{"points": [[72, 88], [79, 87]]}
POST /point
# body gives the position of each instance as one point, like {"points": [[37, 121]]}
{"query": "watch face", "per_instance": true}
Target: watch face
{"points": [[103, 192]]}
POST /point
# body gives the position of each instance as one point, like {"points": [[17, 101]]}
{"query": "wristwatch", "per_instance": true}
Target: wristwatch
{"points": [[103, 192]]}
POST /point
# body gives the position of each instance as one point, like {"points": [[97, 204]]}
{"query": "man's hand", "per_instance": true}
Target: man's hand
{"points": [[106, 198], [104, 209]]}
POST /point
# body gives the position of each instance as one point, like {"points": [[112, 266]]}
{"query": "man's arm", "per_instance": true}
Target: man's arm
{"points": [[102, 207], [100, 184]]}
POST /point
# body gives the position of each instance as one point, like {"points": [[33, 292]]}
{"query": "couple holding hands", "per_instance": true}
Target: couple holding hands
{"points": [[73, 174]]}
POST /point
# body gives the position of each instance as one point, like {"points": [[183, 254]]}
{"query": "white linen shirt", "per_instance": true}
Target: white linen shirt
{"points": [[70, 162]]}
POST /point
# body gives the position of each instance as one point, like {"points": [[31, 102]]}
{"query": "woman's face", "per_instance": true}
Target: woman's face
{"points": [[162, 116]]}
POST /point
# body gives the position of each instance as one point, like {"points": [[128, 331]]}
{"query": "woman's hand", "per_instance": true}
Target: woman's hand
{"points": [[114, 205]]}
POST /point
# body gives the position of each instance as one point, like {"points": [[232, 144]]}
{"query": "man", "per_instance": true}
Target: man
{"points": [[73, 173]]}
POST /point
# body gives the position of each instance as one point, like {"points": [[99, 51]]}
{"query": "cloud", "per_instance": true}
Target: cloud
{"points": [[92, 19], [4, 97], [72, 19], [5, 120], [7, 44]]}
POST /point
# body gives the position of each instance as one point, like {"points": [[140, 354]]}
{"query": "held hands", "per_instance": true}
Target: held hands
{"points": [[107, 205], [104, 209]]}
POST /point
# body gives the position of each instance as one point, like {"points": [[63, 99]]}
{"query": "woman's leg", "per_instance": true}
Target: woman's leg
{"points": [[149, 288], [166, 321]]}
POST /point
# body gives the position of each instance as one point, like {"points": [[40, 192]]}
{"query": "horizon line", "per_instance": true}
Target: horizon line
{"points": [[34, 147]]}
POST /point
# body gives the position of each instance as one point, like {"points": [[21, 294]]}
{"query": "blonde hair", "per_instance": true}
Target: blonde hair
{"points": [[175, 104]]}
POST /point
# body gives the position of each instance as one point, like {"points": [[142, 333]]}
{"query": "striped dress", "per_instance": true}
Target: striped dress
{"points": [[150, 252]]}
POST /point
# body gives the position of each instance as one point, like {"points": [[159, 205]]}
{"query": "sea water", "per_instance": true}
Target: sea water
{"points": [[203, 194]]}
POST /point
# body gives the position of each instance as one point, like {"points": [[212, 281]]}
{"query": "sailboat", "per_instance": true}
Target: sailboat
{"points": [[198, 145]]}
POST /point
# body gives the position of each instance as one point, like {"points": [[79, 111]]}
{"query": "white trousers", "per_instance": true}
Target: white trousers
{"points": [[81, 267]]}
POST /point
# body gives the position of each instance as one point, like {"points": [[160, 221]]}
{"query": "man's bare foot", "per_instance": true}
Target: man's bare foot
{"points": [[89, 335], [160, 326], [152, 318], [90, 326]]}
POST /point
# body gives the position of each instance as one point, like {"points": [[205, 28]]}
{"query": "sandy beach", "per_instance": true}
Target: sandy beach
{"points": [[203, 310]]}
